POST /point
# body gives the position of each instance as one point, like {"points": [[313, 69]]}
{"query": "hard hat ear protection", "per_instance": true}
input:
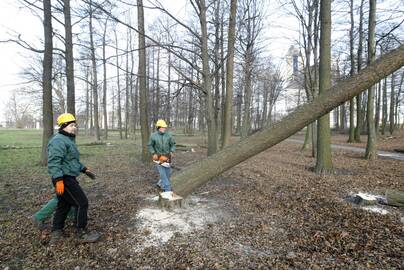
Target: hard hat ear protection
{"points": [[65, 118], [161, 123]]}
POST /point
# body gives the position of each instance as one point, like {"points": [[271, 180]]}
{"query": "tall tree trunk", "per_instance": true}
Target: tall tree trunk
{"points": [[47, 110], [378, 103], [246, 124], [384, 106], [95, 82], [118, 81], [197, 174], [104, 86], [351, 138], [229, 74], [127, 91], [69, 59], [359, 117], [158, 94], [144, 122], [371, 151], [324, 160], [392, 99], [168, 108], [217, 99], [207, 82], [87, 126], [239, 103]]}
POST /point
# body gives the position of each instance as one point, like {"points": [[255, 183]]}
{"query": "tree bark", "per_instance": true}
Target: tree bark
{"points": [[371, 151], [47, 109], [351, 138], [378, 103], [324, 160], [207, 82], [118, 81], [104, 86], [392, 99], [95, 82], [144, 122], [384, 106], [202, 171], [359, 120], [71, 107]]}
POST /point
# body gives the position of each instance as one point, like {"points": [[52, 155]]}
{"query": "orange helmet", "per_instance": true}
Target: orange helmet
{"points": [[163, 159]]}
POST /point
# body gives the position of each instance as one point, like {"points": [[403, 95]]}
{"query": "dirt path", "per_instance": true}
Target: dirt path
{"points": [[386, 154]]}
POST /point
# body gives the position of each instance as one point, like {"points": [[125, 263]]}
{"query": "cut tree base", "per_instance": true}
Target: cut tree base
{"points": [[170, 200]]}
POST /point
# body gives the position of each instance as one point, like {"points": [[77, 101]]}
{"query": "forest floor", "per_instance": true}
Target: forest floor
{"points": [[271, 211]]}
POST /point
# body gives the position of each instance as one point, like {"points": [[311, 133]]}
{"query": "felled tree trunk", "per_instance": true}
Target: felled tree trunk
{"points": [[202, 171], [395, 198]]}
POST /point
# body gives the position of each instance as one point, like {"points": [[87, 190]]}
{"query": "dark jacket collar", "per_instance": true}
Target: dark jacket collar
{"points": [[67, 134]]}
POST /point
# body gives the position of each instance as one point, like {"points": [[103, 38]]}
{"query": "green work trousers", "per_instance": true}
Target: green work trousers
{"points": [[48, 209]]}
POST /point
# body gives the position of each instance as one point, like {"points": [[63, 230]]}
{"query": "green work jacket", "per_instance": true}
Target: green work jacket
{"points": [[161, 143], [63, 157]]}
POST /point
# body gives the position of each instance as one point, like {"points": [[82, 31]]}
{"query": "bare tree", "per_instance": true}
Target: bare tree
{"points": [[144, 123], [371, 151], [47, 109], [229, 74], [94, 67], [324, 160], [71, 102], [392, 106]]}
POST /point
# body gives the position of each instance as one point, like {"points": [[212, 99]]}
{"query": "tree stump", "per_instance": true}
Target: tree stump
{"points": [[170, 200], [395, 197], [364, 199]]}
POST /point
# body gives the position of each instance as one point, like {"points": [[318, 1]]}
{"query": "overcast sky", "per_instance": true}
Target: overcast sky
{"points": [[14, 19]]}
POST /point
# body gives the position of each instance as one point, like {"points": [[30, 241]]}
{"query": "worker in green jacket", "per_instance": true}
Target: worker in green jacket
{"points": [[64, 166], [162, 147]]}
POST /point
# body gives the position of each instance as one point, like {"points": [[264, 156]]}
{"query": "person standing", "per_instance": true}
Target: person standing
{"points": [[162, 147], [64, 166]]}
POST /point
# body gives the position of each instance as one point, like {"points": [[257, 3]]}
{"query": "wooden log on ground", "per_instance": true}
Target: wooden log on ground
{"points": [[395, 197], [200, 172]]}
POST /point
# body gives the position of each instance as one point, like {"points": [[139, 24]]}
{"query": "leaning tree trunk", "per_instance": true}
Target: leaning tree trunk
{"points": [[71, 108], [324, 160], [371, 151], [202, 171], [47, 110], [144, 123]]}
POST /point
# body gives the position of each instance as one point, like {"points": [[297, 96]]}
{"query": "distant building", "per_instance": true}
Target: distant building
{"points": [[293, 94]]}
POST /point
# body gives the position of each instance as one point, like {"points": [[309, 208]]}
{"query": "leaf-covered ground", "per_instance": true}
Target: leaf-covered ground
{"points": [[279, 214]]}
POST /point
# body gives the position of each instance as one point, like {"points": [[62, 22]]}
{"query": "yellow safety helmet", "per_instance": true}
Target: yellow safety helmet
{"points": [[65, 118], [161, 123]]}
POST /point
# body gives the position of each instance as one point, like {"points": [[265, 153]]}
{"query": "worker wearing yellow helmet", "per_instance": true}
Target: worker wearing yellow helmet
{"points": [[64, 166], [162, 147]]}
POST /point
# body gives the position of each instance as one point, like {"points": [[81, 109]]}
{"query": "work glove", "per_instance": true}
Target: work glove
{"points": [[60, 187], [89, 174], [172, 154], [155, 157]]}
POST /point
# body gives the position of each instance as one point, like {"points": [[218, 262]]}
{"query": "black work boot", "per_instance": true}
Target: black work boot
{"points": [[56, 236], [83, 236]]}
